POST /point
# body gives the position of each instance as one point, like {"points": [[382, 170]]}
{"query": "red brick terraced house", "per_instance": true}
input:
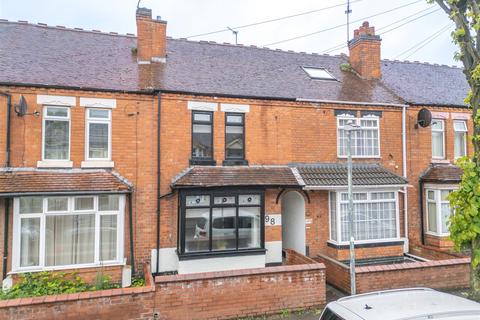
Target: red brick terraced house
{"points": [[201, 157]]}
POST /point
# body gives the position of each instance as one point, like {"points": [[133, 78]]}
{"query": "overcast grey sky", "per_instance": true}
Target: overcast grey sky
{"points": [[190, 17]]}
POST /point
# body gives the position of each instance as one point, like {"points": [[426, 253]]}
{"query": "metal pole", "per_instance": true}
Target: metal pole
{"points": [[347, 12], [351, 218]]}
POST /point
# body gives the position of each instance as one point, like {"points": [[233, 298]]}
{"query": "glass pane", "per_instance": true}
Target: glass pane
{"points": [[234, 119], [31, 205], [197, 201], [432, 216], [459, 144], [29, 242], [99, 113], [248, 228], [333, 216], [224, 235], [84, 203], [57, 112], [202, 117], [383, 195], [445, 215], [431, 195], [224, 200], [202, 141], [249, 199], [108, 203], [444, 194], [460, 126], [234, 142], [57, 204], [197, 230], [108, 237], [69, 239], [437, 124], [56, 139], [437, 144], [98, 140]]}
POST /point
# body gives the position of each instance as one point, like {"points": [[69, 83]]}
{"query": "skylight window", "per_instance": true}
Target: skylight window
{"points": [[318, 73]]}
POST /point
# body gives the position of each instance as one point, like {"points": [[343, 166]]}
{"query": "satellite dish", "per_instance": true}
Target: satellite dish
{"points": [[21, 107], [424, 118]]}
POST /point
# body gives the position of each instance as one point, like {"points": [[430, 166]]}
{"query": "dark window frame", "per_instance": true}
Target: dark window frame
{"points": [[215, 193], [235, 160], [202, 160]]}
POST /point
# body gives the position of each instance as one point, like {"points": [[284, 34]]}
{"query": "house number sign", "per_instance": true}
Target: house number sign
{"points": [[273, 220]]}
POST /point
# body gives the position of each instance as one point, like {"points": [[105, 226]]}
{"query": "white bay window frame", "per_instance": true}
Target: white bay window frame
{"points": [[460, 131], [16, 254], [337, 238], [437, 190], [95, 120], [361, 131]]}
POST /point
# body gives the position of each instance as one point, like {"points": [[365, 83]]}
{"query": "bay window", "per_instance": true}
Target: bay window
{"points": [[460, 139], [375, 216], [438, 211], [98, 144], [216, 222], [63, 231], [365, 140], [438, 139], [56, 133]]}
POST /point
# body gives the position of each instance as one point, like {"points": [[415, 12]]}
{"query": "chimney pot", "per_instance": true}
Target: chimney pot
{"points": [[364, 51]]}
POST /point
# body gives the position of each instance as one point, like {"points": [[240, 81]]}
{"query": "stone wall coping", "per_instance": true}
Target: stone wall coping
{"points": [[412, 265], [149, 287], [239, 273]]}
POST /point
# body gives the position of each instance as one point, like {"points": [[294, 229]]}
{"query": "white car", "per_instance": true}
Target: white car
{"points": [[402, 304]]}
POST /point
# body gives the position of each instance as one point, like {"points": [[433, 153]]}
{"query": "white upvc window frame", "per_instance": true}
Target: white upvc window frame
{"points": [[463, 132], [65, 119], [16, 268], [442, 121], [338, 194], [438, 203], [88, 121], [357, 121]]}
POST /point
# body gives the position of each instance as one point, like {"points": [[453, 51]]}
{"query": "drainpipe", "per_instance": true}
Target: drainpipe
{"points": [[130, 222], [422, 223], [404, 165], [7, 200], [157, 269]]}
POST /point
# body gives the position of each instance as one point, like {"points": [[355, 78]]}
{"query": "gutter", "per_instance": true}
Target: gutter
{"points": [[352, 102], [7, 200], [157, 267], [343, 187]]}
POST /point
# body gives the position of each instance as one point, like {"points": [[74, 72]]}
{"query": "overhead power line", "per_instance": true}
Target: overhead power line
{"points": [[424, 42], [270, 20], [341, 25], [343, 45]]}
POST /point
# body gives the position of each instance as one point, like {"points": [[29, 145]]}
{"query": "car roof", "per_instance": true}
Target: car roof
{"points": [[406, 304]]}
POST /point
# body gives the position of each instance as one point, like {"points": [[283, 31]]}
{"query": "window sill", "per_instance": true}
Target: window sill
{"points": [[97, 164], [359, 244], [440, 161], [218, 254], [69, 267], [55, 164], [202, 162], [232, 162], [437, 235]]}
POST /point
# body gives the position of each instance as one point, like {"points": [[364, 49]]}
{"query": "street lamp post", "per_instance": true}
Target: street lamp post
{"points": [[350, 128]]}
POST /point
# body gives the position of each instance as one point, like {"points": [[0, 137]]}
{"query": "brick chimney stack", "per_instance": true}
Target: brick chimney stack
{"points": [[365, 52], [151, 37]]}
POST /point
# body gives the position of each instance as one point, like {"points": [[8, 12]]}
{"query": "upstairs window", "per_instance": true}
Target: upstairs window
{"points": [[56, 133], [438, 139], [438, 211], [365, 140], [460, 140], [234, 136], [202, 137], [98, 134]]}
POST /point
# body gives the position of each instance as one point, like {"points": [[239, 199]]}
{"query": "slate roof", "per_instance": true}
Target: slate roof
{"points": [[33, 181], [56, 56], [442, 173], [335, 175], [216, 176]]}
